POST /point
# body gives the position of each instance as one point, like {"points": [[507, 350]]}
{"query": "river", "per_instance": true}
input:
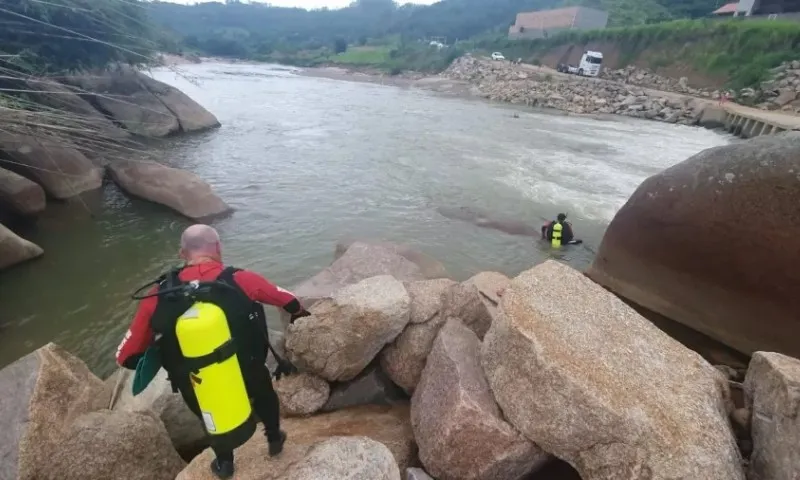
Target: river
{"points": [[307, 162]]}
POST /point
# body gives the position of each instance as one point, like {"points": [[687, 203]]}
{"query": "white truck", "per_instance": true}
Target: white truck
{"points": [[589, 65]]}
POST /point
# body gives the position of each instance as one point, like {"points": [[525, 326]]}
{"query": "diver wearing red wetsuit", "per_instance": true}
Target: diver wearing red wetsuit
{"points": [[201, 249]]}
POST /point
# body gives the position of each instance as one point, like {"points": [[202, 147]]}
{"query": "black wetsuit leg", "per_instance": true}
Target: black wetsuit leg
{"points": [[265, 401], [191, 401]]}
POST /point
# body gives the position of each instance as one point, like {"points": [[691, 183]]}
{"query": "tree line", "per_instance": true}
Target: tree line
{"points": [[241, 29]]}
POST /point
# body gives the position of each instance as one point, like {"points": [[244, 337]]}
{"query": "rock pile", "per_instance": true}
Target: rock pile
{"points": [[782, 90], [34, 163], [508, 83], [501, 387], [644, 77]]}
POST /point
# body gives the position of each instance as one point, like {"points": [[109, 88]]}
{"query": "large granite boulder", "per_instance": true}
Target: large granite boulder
{"points": [[772, 393], [59, 168], [387, 425], [404, 359], [345, 332], [106, 444], [458, 426], [360, 261], [121, 95], [301, 393], [143, 105], [353, 458], [586, 378], [179, 190], [426, 298], [54, 424], [15, 249], [184, 428], [429, 266], [85, 120], [191, 116], [20, 195], [712, 243], [474, 301], [489, 284]]}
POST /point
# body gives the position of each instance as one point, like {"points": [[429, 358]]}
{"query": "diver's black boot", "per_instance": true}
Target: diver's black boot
{"points": [[222, 468], [276, 445]]}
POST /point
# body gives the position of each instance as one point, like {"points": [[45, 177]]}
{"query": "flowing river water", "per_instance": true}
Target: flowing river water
{"points": [[307, 162]]}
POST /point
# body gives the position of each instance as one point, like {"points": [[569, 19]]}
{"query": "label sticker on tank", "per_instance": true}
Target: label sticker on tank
{"points": [[208, 419]]}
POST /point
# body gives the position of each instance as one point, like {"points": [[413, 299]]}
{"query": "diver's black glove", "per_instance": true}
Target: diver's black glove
{"points": [[300, 314], [284, 367]]}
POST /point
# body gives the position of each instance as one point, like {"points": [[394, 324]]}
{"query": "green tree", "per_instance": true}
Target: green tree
{"points": [[63, 35]]}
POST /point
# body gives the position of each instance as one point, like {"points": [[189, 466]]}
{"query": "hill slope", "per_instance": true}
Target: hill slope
{"points": [[239, 29]]}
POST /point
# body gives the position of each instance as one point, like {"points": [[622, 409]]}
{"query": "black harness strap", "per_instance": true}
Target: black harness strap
{"points": [[219, 355]]}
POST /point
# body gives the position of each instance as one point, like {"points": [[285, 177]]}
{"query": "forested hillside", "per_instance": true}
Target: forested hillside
{"points": [[239, 29], [55, 36]]}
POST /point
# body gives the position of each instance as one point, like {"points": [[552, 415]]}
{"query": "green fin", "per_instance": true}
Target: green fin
{"points": [[146, 369]]}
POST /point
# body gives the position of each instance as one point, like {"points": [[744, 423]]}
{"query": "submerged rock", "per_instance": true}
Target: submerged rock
{"points": [[345, 333], [179, 190], [637, 404], [387, 425], [712, 243], [15, 249], [458, 425], [19, 194], [772, 392]]}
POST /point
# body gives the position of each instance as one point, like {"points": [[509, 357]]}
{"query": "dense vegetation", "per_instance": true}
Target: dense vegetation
{"points": [[54, 36], [255, 30], [740, 52]]}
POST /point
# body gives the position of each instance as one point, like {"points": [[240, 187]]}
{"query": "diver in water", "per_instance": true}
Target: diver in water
{"points": [[559, 231]]}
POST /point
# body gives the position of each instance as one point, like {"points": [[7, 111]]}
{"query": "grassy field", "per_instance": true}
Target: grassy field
{"points": [[390, 58]]}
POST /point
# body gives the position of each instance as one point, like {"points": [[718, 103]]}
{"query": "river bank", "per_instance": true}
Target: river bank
{"points": [[431, 362]]}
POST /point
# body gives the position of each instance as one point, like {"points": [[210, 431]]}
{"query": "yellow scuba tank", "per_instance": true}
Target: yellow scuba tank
{"points": [[205, 341], [556, 241]]}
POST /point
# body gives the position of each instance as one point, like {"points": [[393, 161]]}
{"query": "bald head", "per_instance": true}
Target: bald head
{"points": [[200, 241]]}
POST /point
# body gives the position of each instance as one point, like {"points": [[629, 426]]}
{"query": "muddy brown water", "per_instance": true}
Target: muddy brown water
{"points": [[307, 162]]}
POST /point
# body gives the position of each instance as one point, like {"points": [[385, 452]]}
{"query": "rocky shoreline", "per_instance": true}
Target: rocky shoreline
{"points": [[88, 126], [535, 87], [446, 380]]}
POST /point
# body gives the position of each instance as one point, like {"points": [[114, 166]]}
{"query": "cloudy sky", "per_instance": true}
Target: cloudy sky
{"points": [[309, 4]]}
